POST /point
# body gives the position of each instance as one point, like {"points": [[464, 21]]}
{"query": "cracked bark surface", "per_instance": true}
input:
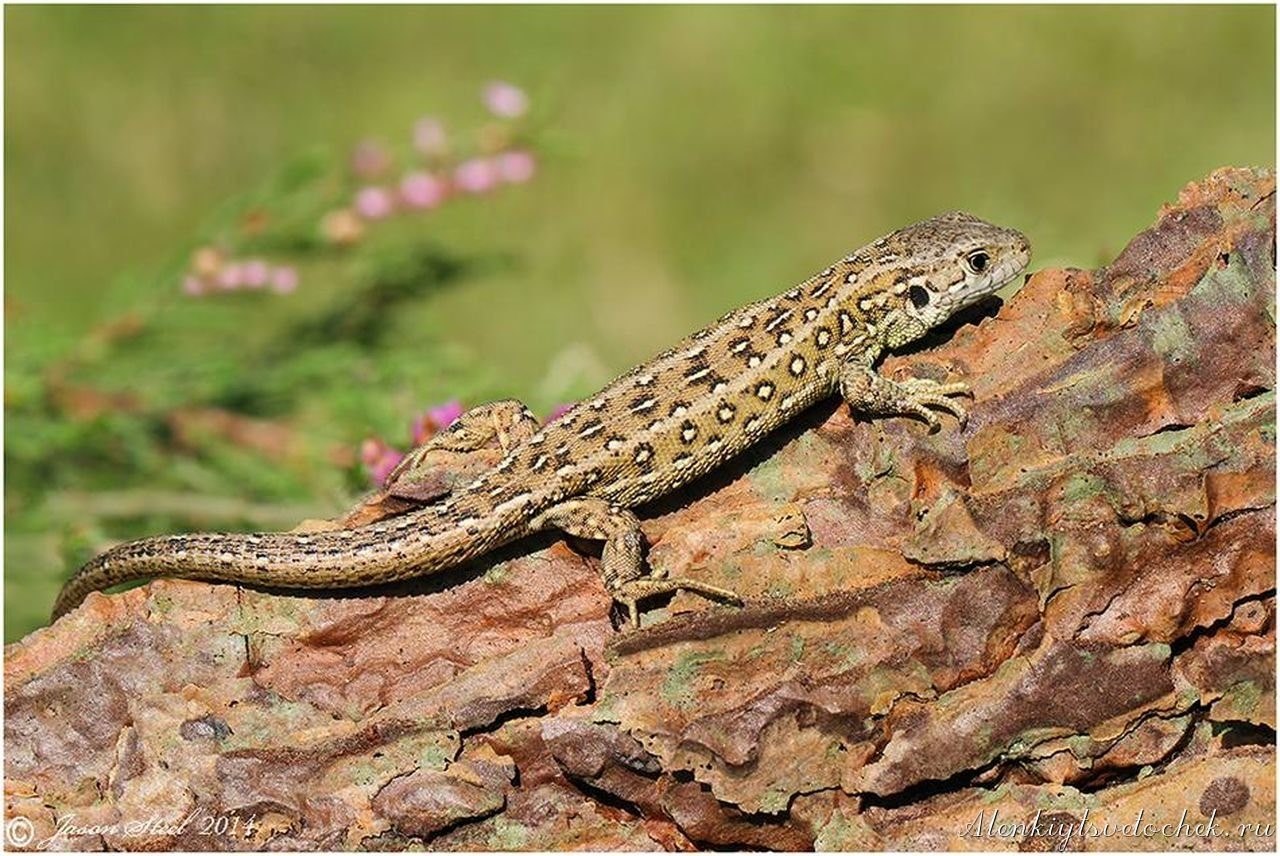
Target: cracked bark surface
{"points": [[1064, 613]]}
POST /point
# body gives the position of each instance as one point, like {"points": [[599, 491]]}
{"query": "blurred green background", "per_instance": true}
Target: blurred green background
{"points": [[689, 159]]}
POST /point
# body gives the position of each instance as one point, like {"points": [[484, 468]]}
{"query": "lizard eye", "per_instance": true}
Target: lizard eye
{"points": [[977, 262], [918, 295]]}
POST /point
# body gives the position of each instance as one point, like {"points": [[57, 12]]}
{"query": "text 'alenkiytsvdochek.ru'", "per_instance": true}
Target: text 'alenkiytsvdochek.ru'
{"points": [[1067, 830]]}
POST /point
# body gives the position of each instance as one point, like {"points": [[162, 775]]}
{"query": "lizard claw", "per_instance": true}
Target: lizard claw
{"points": [[918, 406], [956, 410], [923, 394]]}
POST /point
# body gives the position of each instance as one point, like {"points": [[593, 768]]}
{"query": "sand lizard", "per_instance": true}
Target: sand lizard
{"points": [[654, 429]]}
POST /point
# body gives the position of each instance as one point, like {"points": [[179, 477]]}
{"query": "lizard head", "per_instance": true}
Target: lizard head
{"points": [[943, 265]]}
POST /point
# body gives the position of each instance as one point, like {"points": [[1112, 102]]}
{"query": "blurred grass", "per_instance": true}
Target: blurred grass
{"points": [[694, 158]]}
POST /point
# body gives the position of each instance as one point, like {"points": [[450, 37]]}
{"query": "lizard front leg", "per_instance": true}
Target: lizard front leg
{"points": [[622, 562], [869, 392]]}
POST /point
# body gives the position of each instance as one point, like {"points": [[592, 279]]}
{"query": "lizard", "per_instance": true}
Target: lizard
{"points": [[652, 430]]}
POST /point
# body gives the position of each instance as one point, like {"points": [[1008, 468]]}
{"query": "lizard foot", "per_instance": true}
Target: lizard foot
{"points": [[922, 396], [880, 396], [630, 593]]}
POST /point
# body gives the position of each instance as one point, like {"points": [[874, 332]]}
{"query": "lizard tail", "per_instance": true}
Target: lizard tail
{"points": [[415, 544]]}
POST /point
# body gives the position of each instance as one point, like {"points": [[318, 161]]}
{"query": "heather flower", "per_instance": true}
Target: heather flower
{"points": [[515, 167], [379, 459], [559, 410], [374, 203], [192, 286], [505, 100], [477, 175], [284, 280], [429, 138], [369, 160], [434, 420], [444, 415], [230, 277], [422, 190], [342, 227], [376, 196], [255, 273]]}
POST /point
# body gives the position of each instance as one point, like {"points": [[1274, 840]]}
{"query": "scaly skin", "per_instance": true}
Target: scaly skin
{"points": [[651, 431]]}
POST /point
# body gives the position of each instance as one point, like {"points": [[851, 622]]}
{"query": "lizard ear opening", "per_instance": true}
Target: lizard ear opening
{"points": [[919, 296]]}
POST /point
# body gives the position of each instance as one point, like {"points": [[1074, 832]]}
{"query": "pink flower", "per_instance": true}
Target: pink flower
{"points": [[435, 420], [369, 159], [284, 280], [379, 459], [429, 138], [444, 415], [515, 167], [255, 273], [230, 277], [192, 286], [505, 100], [559, 410], [477, 175], [374, 203], [422, 190]]}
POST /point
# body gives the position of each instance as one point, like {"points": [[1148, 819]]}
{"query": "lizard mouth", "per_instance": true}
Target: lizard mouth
{"points": [[1004, 273], [966, 293], [971, 292], [1008, 270]]}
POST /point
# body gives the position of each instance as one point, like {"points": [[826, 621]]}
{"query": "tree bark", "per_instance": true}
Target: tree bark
{"points": [[1002, 637]]}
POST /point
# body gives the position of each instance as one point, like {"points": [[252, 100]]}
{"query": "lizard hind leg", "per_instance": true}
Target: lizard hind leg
{"points": [[508, 421], [622, 562]]}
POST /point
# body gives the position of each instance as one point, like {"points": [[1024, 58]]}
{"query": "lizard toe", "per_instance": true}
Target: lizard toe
{"points": [[925, 386], [956, 410], [920, 409]]}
